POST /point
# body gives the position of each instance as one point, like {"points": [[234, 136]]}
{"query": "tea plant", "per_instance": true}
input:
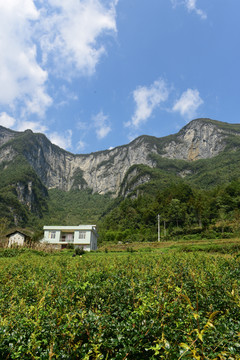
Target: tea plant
{"points": [[130, 306]]}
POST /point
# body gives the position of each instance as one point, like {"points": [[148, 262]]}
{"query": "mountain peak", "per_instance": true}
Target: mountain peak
{"points": [[105, 171], [235, 128], [201, 138]]}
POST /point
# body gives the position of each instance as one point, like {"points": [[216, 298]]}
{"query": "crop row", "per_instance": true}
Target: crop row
{"points": [[120, 306]]}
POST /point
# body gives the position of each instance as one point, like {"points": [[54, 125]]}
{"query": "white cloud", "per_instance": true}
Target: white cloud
{"points": [[23, 78], [191, 5], [34, 126], [6, 120], [103, 131], [102, 125], [63, 141], [188, 103], [99, 124], [147, 99], [63, 96], [40, 39], [81, 145], [83, 126], [72, 30]]}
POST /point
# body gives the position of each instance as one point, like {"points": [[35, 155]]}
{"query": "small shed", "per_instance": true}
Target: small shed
{"points": [[17, 238]]}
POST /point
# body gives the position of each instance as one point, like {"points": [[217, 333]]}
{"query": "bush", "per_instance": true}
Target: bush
{"points": [[79, 251], [11, 252], [211, 234], [130, 249], [70, 246], [146, 249], [135, 306]]}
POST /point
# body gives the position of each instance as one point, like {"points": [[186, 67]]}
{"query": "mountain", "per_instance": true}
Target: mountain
{"points": [[31, 165]]}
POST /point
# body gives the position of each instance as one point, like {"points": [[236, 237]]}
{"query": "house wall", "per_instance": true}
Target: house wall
{"points": [[47, 236], [16, 239], [82, 241], [93, 241]]}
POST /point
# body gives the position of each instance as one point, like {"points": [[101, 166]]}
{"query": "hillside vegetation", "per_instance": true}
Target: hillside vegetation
{"points": [[75, 207], [184, 211], [23, 198]]}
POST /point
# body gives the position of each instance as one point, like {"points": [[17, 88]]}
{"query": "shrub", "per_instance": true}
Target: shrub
{"points": [[121, 306], [79, 251], [70, 246], [130, 249]]}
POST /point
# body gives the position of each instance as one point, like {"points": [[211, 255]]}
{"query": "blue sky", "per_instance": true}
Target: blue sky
{"points": [[95, 74]]}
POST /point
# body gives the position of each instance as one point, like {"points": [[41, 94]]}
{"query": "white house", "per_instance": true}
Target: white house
{"points": [[16, 238], [82, 236]]}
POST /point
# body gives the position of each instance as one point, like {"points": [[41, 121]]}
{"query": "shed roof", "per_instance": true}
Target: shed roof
{"points": [[15, 232]]}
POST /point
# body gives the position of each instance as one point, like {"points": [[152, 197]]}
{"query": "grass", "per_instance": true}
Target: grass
{"points": [[180, 245]]}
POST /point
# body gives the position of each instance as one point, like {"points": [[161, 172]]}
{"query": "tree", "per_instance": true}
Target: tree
{"points": [[175, 211], [4, 224]]}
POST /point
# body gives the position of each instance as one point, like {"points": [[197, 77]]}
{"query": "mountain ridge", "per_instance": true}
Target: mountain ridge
{"points": [[104, 171], [30, 165]]}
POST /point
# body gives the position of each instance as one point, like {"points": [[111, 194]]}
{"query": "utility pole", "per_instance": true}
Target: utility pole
{"points": [[159, 229]]}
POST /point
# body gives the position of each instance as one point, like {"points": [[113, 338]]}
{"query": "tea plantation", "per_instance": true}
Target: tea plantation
{"points": [[122, 306]]}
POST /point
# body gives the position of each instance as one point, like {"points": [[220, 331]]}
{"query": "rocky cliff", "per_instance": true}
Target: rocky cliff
{"points": [[200, 139], [6, 135], [104, 171]]}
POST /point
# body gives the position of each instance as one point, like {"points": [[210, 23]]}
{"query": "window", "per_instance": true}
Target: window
{"points": [[52, 234], [82, 234]]}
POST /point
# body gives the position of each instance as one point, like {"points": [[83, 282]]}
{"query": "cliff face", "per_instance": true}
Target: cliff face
{"points": [[104, 171], [6, 135], [200, 139], [28, 196]]}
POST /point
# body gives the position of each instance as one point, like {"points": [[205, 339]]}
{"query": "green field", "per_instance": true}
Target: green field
{"points": [[165, 303]]}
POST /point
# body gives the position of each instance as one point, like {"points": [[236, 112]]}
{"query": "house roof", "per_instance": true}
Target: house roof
{"points": [[79, 227]]}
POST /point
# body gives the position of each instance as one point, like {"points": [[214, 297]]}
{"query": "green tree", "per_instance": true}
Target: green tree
{"points": [[4, 225]]}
